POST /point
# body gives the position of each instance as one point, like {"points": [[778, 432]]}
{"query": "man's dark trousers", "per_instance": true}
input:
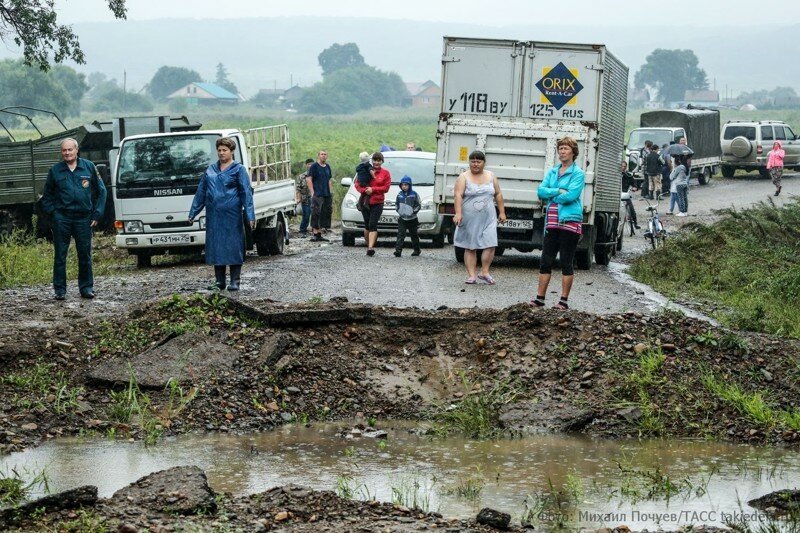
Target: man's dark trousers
{"points": [[66, 226]]}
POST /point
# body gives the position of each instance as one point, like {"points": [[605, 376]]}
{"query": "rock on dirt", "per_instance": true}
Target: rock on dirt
{"points": [[780, 502], [181, 359], [181, 490], [71, 499]]}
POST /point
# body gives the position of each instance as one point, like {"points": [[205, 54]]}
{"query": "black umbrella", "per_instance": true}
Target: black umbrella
{"points": [[676, 150]]}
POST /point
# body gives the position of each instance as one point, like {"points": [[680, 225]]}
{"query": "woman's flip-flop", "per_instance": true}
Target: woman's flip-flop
{"points": [[487, 279], [471, 281]]}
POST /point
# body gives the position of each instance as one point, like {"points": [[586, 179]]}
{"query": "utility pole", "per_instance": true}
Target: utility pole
{"points": [[124, 87]]}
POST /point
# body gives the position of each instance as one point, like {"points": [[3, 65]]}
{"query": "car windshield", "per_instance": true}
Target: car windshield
{"points": [[166, 161], [419, 170], [638, 137]]}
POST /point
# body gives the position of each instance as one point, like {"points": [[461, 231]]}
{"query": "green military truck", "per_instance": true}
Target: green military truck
{"points": [[24, 164]]}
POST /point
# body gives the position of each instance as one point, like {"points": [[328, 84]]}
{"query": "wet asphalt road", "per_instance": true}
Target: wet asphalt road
{"points": [[435, 279], [312, 271]]}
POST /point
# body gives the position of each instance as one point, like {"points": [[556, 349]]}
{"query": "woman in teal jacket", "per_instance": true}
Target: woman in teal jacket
{"points": [[562, 191]]}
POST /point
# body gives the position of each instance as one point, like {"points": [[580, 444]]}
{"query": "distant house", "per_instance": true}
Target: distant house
{"points": [[700, 98], [427, 94], [292, 95], [268, 96], [786, 101], [198, 93]]}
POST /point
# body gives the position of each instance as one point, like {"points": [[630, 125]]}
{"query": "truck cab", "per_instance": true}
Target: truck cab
{"points": [[156, 177], [637, 138]]}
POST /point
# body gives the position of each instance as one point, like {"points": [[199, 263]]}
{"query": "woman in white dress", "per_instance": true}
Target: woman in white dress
{"points": [[476, 192]]}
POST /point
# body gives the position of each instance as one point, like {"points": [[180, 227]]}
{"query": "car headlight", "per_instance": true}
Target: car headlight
{"points": [[202, 221], [134, 226], [427, 205], [350, 201]]}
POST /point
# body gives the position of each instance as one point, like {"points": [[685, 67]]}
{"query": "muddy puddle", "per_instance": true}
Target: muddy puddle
{"points": [[547, 478]]}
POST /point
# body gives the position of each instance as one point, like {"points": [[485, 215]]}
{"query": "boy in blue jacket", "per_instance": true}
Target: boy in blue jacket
{"points": [[407, 205]]}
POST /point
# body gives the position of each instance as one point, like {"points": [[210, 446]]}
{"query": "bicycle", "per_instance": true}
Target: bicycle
{"points": [[656, 232], [630, 214]]}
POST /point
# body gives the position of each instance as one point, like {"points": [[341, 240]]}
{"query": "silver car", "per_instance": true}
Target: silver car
{"points": [[419, 167]]}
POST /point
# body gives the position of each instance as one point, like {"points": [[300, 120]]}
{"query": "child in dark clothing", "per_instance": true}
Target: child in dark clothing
{"points": [[364, 172], [407, 205]]}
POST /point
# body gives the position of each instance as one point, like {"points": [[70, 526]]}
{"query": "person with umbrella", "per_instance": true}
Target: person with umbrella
{"points": [[680, 181]]}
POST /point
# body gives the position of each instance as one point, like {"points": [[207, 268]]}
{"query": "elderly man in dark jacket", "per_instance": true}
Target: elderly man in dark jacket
{"points": [[75, 197]]}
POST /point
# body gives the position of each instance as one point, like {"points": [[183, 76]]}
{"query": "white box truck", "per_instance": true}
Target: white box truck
{"points": [[156, 176], [513, 100]]}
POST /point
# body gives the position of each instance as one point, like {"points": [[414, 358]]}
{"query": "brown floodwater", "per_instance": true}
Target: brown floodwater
{"points": [[649, 483]]}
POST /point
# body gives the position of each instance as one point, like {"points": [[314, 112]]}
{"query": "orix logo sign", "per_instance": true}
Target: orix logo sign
{"points": [[559, 86]]}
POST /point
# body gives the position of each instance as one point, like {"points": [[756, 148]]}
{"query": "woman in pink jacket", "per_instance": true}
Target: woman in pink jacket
{"points": [[775, 165]]}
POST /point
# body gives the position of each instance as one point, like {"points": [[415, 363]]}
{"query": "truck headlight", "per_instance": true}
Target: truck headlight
{"points": [[202, 222], [427, 205], [134, 226], [350, 201]]}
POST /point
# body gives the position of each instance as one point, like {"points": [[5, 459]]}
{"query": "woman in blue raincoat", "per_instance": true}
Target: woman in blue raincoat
{"points": [[224, 191]]}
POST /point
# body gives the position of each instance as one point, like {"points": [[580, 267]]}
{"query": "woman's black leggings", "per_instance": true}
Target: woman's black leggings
{"points": [[372, 216], [561, 242]]}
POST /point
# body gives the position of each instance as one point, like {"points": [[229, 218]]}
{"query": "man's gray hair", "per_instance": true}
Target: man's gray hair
{"points": [[68, 139]]}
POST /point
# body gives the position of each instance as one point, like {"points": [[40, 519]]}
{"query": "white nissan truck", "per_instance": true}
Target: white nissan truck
{"points": [[156, 176]]}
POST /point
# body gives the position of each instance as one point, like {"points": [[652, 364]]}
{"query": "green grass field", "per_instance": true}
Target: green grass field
{"points": [[749, 262]]}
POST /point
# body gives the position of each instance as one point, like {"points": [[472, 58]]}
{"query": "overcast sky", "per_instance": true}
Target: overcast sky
{"points": [[495, 12]]}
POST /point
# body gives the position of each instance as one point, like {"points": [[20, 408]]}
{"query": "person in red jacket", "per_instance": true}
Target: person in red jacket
{"points": [[378, 186]]}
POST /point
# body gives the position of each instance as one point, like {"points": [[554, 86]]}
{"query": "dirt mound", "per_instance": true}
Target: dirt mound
{"points": [[179, 499], [268, 364], [172, 359]]}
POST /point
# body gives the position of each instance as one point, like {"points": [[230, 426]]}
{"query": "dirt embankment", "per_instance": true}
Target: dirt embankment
{"points": [[212, 364], [180, 499]]}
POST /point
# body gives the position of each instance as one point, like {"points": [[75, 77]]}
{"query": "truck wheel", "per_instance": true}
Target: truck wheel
{"points": [[499, 251], [144, 260], [704, 176], [450, 235], [261, 239], [277, 237], [348, 239], [619, 241], [764, 173], [583, 258], [602, 255], [438, 241], [728, 171], [459, 253]]}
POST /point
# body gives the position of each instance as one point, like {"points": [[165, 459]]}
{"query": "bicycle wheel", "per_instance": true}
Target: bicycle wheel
{"points": [[629, 217]]}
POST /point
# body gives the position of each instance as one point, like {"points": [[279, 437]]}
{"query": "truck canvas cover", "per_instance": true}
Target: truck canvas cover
{"points": [[701, 125]]}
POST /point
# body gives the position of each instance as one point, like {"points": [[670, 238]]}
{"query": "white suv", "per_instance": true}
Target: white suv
{"points": [[745, 145]]}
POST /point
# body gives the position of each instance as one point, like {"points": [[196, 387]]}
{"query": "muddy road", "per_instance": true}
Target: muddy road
{"points": [[320, 271]]}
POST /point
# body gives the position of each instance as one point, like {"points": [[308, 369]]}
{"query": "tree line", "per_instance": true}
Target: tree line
{"points": [[348, 83]]}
